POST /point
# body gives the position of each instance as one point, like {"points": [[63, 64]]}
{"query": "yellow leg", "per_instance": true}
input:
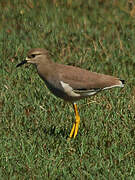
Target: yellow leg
{"points": [[75, 127], [72, 131]]}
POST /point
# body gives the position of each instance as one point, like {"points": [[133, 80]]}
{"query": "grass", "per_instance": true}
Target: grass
{"points": [[34, 125]]}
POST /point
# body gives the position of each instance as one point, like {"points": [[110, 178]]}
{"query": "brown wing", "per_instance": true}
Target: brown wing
{"points": [[81, 79]]}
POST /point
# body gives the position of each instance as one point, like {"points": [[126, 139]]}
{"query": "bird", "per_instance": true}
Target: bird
{"points": [[69, 83]]}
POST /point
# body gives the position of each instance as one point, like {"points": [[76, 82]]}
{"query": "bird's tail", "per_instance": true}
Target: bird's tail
{"points": [[122, 82]]}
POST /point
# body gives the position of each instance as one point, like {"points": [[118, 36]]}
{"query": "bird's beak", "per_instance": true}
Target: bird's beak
{"points": [[23, 62]]}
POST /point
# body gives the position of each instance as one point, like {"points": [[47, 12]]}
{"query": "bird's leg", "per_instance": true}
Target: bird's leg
{"points": [[76, 124], [77, 120]]}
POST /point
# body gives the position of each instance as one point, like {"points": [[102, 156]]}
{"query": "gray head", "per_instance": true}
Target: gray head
{"points": [[36, 56]]}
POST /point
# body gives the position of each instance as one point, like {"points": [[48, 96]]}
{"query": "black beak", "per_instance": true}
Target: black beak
{"points": [[23, 62]]}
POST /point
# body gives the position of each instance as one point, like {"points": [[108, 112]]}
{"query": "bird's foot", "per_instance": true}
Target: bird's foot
{"points": [[75, 127]]}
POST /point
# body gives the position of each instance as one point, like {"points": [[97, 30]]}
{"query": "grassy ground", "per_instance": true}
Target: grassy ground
{"points": [[34, 125]]}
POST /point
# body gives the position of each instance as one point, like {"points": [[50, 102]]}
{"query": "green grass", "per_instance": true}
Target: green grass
{"points": [[34, 125]]}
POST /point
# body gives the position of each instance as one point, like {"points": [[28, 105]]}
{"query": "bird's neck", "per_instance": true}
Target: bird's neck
{"points": [[46, 69]]}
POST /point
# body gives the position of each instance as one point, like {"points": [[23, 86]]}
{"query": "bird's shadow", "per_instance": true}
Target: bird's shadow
{"points": [[53, 131]]}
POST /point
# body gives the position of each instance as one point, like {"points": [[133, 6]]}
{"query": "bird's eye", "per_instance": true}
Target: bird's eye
{"points": [[33, 55]]}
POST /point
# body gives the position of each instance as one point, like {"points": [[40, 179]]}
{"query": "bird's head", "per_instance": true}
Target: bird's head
{"points": [[36, 56]]}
